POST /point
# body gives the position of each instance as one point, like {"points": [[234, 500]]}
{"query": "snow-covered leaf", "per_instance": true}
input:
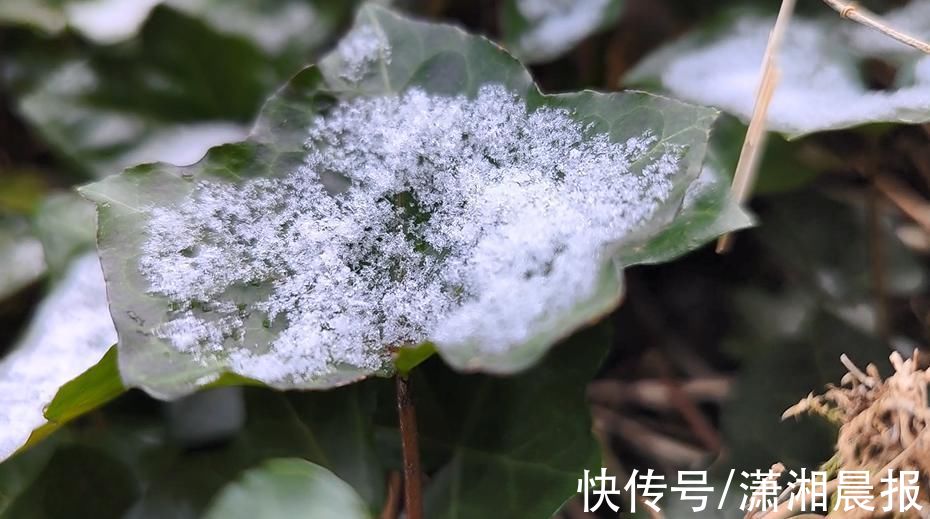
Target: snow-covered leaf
{"points": [[164, 95], [542, 30], [275, 26], [286, 488], [821, 86], [69, 334], [415, 188]]}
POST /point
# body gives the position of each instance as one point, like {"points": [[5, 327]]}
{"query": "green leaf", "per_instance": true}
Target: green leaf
{"points": [[66, 224], [286, 488], [509, 447], [708, 211], [821, 83], [70, 333], [180, 340], [409, 358], [164, 94], [77, 482], [90, 390], [106, 112], [333, 429], [278, 27], [17, 473], [542, 30]]}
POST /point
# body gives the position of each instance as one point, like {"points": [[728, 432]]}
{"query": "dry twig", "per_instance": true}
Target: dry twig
{"points": [[869, 19], [754, 144]]}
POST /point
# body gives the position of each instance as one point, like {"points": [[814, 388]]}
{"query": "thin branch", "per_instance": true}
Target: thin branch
{"points": [[413, 491], [907, 200], [392, 501], [873, 21], [754, 144], [876, 245]]}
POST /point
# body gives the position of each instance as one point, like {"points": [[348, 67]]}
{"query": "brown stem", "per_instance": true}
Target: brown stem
{"points": [[413, 492], [392, 502], [877, 264]]}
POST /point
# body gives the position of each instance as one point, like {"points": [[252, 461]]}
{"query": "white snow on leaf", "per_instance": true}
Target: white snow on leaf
{"points": [[70, 332], [819, 87], [184, 144], [360, 49], [461, 221], [557, 25], [108, 21]]}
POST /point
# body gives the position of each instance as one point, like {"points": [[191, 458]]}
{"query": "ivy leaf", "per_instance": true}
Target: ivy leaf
{"points": [[285, 488], [415, 187], [821, 85], [707, 211], [333, 429], [278, 27], [85, 482], [542, 30], [164, 94], [70, 333], [65, 364]]}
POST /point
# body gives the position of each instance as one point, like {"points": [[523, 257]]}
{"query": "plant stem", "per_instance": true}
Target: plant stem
{"points": [[754, 145], [869, 19], [392, 501], [413, 492]]}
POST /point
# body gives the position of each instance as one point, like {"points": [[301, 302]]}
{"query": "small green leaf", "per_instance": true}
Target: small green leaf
{"points": [[390, 162], [408, 358], [821, 84], [90, 390], [70, 333], [287, 488], [542, 30]]}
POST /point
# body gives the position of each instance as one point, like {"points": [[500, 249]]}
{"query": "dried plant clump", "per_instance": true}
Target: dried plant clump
{"points": [[883, 423]]}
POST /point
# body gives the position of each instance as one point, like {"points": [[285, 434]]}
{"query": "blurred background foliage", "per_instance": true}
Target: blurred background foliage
{"points": [[704, 355]]}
